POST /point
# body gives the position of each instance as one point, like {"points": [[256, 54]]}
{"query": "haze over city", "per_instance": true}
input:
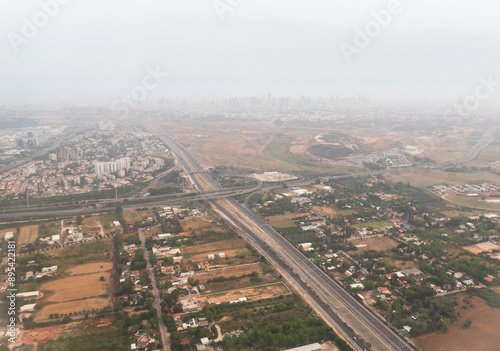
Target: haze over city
{"points": [[91, 52]]}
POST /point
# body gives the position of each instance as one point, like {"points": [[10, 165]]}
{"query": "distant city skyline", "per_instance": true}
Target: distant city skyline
{"points": [[91, 52]]}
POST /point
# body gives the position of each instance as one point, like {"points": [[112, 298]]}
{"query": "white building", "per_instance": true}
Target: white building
{"points": [[27, 308], [49, 269], [9, 236], [28, 295]]}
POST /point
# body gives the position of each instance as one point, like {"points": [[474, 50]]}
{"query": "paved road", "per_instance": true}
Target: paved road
{"points": [[328, 297], [165, 336]]}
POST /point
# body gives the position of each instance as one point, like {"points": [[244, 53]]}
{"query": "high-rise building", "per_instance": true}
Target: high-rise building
{"points": [[70, 153]]}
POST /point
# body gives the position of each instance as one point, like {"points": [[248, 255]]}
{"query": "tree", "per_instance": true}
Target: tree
{"points": [[79, 219], [102, 278], [67, 319], [467, 323]]}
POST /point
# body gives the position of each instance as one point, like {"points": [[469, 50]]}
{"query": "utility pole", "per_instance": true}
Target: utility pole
{"points": [[27, 199]]}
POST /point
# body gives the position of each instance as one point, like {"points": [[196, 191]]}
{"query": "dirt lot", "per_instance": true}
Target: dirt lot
{"points": [[218, 245], [481, 336], [252, 294], [28, 234], [234, 271], [378, 244]]}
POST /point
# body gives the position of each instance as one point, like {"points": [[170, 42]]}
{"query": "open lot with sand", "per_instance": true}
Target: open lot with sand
{"points": [[234, 271], [378, 244], [252, 294], [481, 336]]}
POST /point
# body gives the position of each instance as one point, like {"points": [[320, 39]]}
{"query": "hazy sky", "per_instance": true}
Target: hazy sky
{"points": [[93, 51]]}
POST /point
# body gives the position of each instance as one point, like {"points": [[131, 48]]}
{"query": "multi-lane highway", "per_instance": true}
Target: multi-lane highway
{"points": [[350, 318]]}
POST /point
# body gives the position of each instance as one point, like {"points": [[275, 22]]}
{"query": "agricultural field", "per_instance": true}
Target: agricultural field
{"points": [[482, 335], [378, 244], [87, 287], [27, 235]]}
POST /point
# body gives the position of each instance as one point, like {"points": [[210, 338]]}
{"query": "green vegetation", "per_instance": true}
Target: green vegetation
{"points": [[105, 340], [491, 297]]}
